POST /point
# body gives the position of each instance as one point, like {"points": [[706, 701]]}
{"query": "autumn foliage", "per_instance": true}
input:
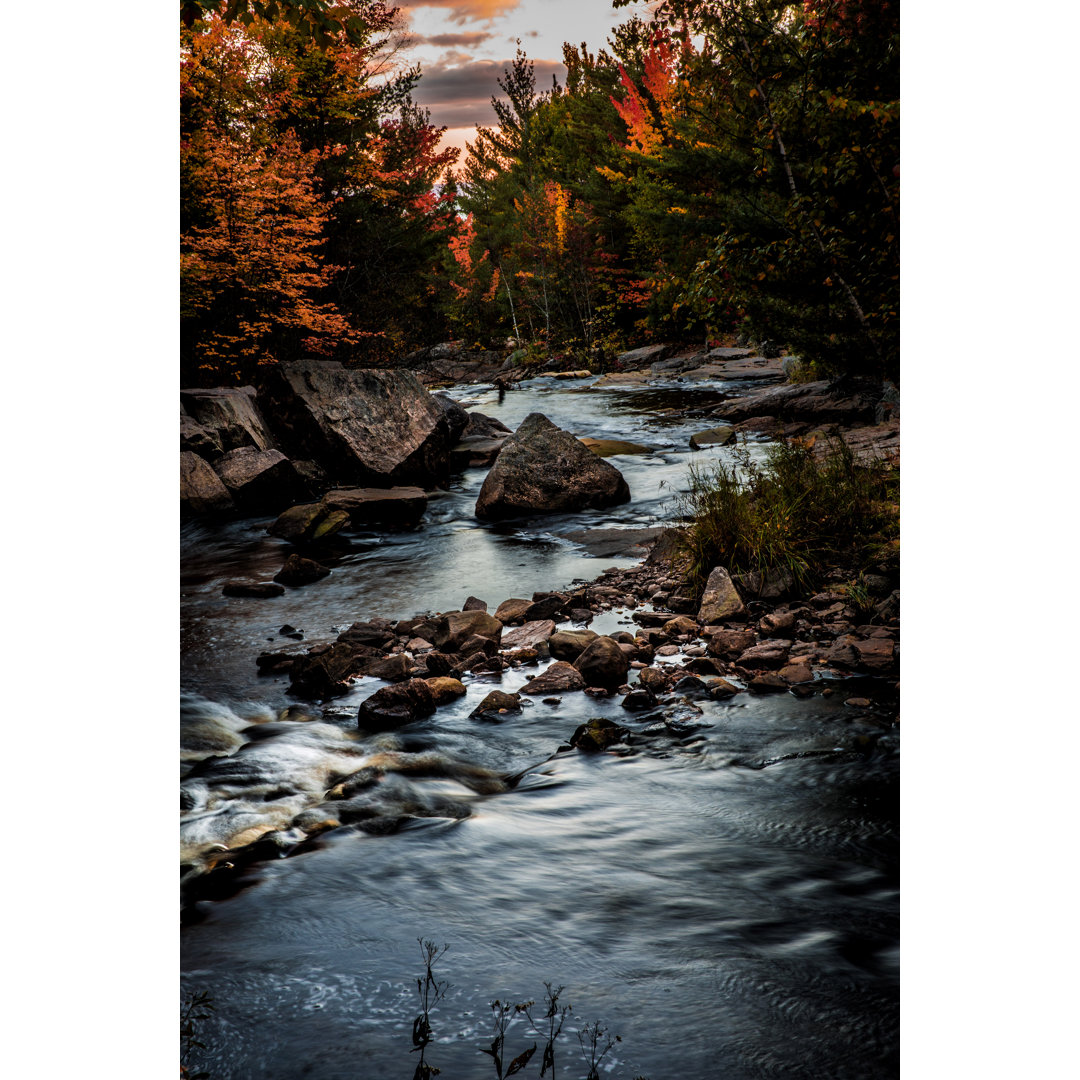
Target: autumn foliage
{"points": [[297, 176]]}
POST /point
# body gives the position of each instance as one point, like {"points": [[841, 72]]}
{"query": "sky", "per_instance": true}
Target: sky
{"points": [[463, 46]]}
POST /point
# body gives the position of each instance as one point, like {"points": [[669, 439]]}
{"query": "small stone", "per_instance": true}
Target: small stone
{"points": [[859, 702], [473, 604]]}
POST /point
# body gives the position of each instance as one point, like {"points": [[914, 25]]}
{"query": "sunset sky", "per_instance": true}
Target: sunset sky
{"points": [[464, 45]]}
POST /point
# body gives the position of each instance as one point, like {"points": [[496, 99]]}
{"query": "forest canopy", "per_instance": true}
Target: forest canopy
{"points": [[724, 167]]}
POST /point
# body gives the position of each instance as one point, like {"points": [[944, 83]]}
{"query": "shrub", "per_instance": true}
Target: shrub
{"points": [[804, 512]]}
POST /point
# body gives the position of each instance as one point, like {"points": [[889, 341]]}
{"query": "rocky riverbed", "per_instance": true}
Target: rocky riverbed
{"points": [[369, 717]]}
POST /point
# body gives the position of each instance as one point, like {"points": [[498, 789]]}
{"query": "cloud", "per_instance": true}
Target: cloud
{"points": [[461, 11], [450, 40], [460, 95]]}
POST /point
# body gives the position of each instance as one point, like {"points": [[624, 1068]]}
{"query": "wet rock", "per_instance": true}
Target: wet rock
{"points": [[668, 650], [717, 436], [545, 606], [328, 672], [706, 665], [610, 447], [259, 480], [690, 686], [438, 663], [276, 663], [418, 645], [729, 644], [720, 689], [484, 427], [767, 684], [377, 632], [454, 628], [376, 427], [201, 491], [796, 673], [445, 689], [767, 654], [721, 600], [393, 706], [260, 589], [457, 418], [570, 644], [497, 702], [528, 636], [681, 624], [473, 604], [401, 506], [308, 522], [639, 700], [559, 678], [393, 669], [858, 702], [518, 657], [512, 611], [597, 735], [543, 469], [603, 663], [656, 679], [299, 571]]}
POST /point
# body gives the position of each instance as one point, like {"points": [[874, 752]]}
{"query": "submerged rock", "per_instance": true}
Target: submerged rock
{"points": [[259, 589], [300, 571], [543, 469]]}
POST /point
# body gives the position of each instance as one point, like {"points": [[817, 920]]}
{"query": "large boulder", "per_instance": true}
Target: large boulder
{"points": [[542, 469], [367, 426], [201, 489], [259, 480], [224, 418]]}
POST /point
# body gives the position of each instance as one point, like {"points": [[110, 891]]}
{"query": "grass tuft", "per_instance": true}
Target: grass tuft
{"points": [[803, 512]]}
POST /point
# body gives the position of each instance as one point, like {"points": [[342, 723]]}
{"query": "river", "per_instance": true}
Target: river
{"points": [[724, 895]]}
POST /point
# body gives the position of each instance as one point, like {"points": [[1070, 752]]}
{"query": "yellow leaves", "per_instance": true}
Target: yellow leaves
{"points": [[677, 210]]}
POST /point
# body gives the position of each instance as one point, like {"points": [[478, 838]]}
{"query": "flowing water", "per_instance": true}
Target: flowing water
{"points": [[723, 895]]}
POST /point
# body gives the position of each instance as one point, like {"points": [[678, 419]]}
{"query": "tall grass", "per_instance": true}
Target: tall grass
{"points": [[803, 513]]}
